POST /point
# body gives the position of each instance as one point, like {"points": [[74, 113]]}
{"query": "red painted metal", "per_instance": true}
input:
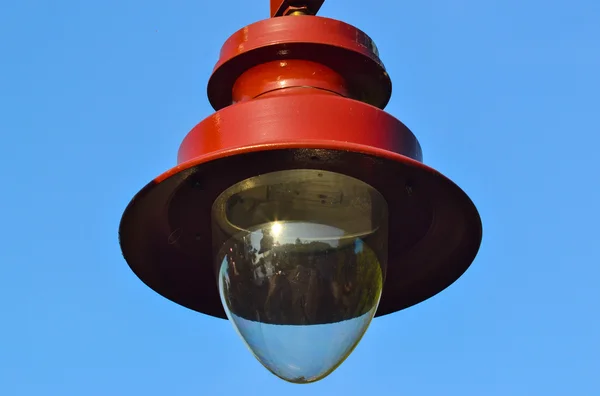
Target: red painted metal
{"points": [[285, 7], [299, 93], [316, 118], [335, 45], [435, 230], [272, 78]]}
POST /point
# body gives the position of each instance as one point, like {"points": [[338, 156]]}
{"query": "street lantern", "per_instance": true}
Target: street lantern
{"points": [[300, 209]]}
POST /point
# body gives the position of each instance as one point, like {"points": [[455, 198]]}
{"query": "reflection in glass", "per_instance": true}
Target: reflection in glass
{"points": [[300, 292]]}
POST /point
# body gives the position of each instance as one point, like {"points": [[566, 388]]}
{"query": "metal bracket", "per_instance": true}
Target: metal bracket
{"points": [[289, 7]]}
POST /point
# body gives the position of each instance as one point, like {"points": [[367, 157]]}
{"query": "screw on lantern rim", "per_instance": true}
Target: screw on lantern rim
{"points": [[287, 7]]}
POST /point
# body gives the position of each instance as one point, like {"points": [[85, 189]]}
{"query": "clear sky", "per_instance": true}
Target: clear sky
{"points": [[96, 96]]}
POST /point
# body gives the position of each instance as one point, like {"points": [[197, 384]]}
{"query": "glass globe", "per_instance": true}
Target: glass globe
{"points": [[301, 258]]}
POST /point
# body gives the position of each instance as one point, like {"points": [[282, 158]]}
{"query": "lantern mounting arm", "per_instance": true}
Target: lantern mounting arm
{"points": [[295, 7]]}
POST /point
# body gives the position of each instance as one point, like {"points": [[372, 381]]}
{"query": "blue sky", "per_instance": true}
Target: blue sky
{"points": [[96, 96]]}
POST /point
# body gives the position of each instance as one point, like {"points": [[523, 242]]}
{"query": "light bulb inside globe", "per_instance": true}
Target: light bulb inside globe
{"points": [[301, 258]]}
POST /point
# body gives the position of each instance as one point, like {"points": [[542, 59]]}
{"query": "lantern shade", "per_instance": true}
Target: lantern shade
{"points": [[434, 228]]}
